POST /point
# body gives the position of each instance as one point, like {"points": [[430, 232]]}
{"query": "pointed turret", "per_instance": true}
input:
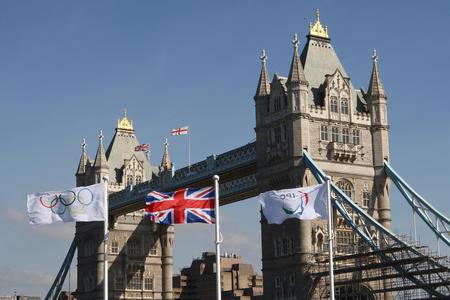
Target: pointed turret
{"points": [[263, 83], [376, 89], [100, 158], [83, 159], [296, 73], [100, 163], [166, 164]]}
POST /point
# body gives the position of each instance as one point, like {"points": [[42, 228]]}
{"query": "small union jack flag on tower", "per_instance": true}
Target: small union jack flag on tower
{"points": [[142, 147], [180, 131], [187, 205]]}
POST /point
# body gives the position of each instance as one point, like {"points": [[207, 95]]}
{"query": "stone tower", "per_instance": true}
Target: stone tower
{"points": [[345, 130], [140, 252]]}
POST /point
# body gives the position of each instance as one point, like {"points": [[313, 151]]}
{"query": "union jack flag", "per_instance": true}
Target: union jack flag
{"points": [[187, 205], [142, 147], [180, 131]]}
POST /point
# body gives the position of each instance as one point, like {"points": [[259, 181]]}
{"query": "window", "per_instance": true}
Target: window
{"points": [[119, 283], [284, 132], [134, 246], [344, 106], [153, 250], [138, 179], [279, 294], [89, 283], [285, 246], [114, 247], [148, 283], [278, 247], [277, 282], [366, 199], [356, 136], [292, 280], [344, 241], [346, 135], [129, 180], [346, 187], [334, 134], [297, 100], [291, 294], [324, 132], [278, 134], [277, 103], [333, 105], [134, 278]]}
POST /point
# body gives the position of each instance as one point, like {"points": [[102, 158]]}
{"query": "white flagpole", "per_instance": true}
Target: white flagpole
{"points": [[105, 241], [218, 239], [189, 146], [330, 237]]}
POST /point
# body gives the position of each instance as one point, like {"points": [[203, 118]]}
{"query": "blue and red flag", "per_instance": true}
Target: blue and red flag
{"points": [[187, 205]]}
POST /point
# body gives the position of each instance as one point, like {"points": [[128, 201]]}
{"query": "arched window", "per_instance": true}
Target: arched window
{"points": [[129, 180], [114, 247], [138, 179], [134, 278], [148, 282], [346, 135], [119, 282], [344, 106], [333, 104], [324, 132], [134, 246], [346, 187]]}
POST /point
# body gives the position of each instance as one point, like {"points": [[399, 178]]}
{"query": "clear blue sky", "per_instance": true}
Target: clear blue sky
{"points": [[68, 68]]}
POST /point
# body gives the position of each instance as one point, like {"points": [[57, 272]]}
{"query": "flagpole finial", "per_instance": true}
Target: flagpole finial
{"points": [[216, 177], [83, 144], [100, 136], [374, 55]]}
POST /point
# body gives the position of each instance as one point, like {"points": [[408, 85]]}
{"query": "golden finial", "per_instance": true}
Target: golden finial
{"points": [[317, 29], [124, 123]]}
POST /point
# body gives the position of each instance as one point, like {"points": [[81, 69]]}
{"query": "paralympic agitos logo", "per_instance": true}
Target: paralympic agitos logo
{"points": [[297, 201]]}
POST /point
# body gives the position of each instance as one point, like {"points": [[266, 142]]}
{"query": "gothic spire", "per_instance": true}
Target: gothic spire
{"points": [[166, 164], [100, 158], [263, 83], [83, 159], [376, 88], [296, 73]]}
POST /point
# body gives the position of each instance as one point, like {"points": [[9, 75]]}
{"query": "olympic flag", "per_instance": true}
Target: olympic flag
{"points": [[301, 203], [81, 204]]}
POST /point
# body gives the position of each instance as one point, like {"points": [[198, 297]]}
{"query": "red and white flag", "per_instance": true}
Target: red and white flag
{"points": [[142, 147], [180, 131]]}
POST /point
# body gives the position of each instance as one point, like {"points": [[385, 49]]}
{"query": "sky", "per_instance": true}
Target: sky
{"points": [[69, 68]]}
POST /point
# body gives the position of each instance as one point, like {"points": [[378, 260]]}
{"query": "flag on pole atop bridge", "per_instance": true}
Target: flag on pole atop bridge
{"points": [[187, 205], [81, 204], [142, 147], [180, 131], [301, 203]]}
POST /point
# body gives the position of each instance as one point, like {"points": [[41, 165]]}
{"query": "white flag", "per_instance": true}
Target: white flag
{"points": [[81, 204], [301, 203]]}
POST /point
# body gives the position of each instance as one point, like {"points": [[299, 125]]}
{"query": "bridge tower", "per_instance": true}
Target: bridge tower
{"points": [[345, 130], [140, 259]]}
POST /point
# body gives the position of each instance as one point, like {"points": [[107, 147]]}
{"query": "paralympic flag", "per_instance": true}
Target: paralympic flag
{"points": [[81, 204], [301, 203], [187, 205]]}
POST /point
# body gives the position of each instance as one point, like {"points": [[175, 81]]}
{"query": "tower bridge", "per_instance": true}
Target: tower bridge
{"points": [[310, 124]]}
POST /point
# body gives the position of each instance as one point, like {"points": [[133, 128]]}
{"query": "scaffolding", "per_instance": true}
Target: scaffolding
{"points": [[398, 270]]}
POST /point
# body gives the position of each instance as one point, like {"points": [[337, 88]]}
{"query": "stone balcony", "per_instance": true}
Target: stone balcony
{"points": [[341, 151]]}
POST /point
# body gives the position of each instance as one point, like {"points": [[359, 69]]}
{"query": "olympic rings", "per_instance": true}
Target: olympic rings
{"points": [[60, 202], [81, 196]]}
